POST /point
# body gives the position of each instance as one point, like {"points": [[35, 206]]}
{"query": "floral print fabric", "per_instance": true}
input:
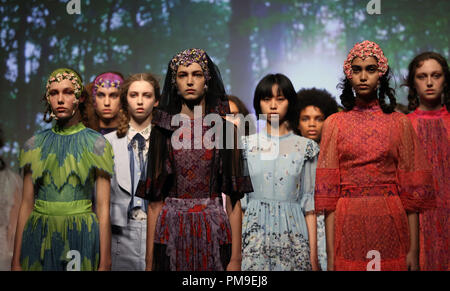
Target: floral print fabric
{"points": [[274, 232]]}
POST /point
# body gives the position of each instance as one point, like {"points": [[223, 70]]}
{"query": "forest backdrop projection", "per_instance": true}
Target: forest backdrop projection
{"points": [[307, 40]]}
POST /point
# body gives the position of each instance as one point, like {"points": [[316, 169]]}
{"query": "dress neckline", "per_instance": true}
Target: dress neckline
{"points": [[264, 131], [68, 130], [431, 113], [371, 106]]}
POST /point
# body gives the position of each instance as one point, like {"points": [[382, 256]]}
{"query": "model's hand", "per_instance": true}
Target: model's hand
{"points": [[315, 264], [234, 265], [412, 261], [16, 267], [330, 265], [104, 267]]}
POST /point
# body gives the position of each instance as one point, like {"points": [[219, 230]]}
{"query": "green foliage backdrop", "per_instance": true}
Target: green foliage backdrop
{"points": [[246, 38]]}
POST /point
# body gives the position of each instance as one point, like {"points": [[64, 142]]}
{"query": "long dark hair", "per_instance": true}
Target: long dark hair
{"points": [[216, 101], [264, 89], [348, 99], [413, 98], [171, 101], [242, 110]]}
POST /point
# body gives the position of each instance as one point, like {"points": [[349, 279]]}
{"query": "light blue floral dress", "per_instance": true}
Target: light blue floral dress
{"points": [[274, 232]]}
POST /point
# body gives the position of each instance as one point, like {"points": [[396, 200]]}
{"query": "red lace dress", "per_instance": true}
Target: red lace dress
{"points": [[433, 130], [371, 169]]}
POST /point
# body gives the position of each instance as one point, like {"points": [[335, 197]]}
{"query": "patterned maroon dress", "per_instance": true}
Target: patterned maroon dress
{"points": [[433, 130], [371, 171], [193, 232]]}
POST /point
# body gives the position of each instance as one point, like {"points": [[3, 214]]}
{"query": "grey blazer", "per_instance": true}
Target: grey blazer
{"points": [[120, 181]]}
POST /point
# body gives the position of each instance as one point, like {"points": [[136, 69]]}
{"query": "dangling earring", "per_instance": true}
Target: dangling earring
{"points": [[52, 115], [206, 87]]}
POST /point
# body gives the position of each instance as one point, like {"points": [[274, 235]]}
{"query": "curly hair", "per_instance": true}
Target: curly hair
{"points": [[348, 98], [321, 99], [124, 118], [81, 106], [92, 116], [413, 98]]}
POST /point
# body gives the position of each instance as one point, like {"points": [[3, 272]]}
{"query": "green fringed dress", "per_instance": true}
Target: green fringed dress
{"points": [[63, 164]]}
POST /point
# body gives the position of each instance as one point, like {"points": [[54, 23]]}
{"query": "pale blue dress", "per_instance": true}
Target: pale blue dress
{"points": [[274, 232]]}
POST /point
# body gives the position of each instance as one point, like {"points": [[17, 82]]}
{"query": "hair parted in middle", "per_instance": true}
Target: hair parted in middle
{"points": [[124, 121], [216, 100], [264, 89], [417, 62]]}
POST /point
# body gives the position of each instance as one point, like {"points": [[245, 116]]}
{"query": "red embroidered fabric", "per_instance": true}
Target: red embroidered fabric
{"points": [[433, 131], [371, 169]]}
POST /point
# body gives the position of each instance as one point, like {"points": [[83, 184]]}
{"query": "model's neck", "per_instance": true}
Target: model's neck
{"points": [[140, 125], [190, 110], [367, 98], [430, 105], [109, 123], [280, 130], [69, 122]]}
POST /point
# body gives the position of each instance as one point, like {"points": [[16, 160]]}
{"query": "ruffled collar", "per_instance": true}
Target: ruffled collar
{"points": [[371, 106], [431, 114], [145, 132], [68, 130]]}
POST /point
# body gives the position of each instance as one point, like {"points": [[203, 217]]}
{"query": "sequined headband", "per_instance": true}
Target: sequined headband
{"points": [[186, 58], [364, 50], [106, 80], [61, 74]]}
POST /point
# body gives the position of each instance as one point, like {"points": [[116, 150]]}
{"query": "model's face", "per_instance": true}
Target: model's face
{"points": [[233, 111], [429, 80], [311, 122], [107, 103], [141, 100], [191, 81], [275, 104], [365, 77], [62, 97]]}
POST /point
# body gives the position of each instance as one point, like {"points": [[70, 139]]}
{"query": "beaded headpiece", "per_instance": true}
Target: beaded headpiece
{"points": [[106, 80], [186, 58], [365, 50]]}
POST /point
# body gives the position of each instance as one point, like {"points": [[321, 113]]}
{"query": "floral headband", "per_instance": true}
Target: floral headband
{"points": [[61, 74], [186, 58], [65, 74], [106, 80], [365, 50]]}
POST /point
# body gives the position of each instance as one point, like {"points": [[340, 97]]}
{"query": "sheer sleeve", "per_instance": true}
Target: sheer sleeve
{"points": [[234, 179], [308, 177], [413, 171], [244, 141], [327, 174]]}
